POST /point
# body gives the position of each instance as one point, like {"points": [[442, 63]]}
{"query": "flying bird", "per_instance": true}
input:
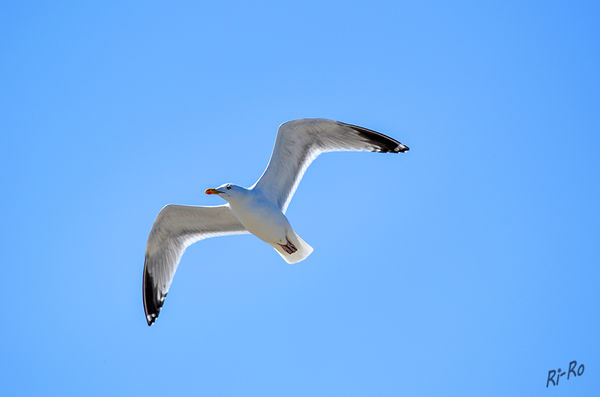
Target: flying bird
{"points": [[259, 209]]}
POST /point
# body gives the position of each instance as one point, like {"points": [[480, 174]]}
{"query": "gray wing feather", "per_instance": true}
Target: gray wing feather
{"points": [[177, 227], [299, 142]]}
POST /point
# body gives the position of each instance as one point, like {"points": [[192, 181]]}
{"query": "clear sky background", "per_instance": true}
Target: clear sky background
{"points": [[467, 266]]}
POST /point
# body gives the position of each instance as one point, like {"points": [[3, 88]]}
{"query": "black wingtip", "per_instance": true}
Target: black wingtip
{"points": [[403, 148], [152, 304], [382, 143]]}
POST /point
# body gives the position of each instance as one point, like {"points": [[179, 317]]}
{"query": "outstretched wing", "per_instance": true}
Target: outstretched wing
{"points": [[299, 142], [177, 227]]}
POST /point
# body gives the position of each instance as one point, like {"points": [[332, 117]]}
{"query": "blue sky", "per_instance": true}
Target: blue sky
{"points": [[467, 266]]}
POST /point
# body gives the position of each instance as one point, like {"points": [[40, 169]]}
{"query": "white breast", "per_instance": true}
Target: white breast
{"points": [[261, 218]]}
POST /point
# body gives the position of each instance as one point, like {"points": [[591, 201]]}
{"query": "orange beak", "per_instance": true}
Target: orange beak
{"points": [[212, 191]]}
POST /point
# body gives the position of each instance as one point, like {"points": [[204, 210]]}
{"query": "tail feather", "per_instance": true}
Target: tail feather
{"points": [[303, 249]]}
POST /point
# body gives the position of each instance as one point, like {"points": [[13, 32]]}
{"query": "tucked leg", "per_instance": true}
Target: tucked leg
{"points": [[289, 247]]}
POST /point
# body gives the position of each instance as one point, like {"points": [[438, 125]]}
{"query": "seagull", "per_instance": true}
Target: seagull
{"points": [[259, 209]]}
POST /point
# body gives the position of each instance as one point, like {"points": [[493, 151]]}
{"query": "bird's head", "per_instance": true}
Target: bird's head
{"points": [[227, 191]]}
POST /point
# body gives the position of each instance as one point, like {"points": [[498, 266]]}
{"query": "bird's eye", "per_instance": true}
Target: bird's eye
{"points": [[228, 187]]}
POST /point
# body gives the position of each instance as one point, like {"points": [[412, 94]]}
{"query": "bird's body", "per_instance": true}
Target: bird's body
{"points": [[260, 216], [263, 218], [259, 210]]}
